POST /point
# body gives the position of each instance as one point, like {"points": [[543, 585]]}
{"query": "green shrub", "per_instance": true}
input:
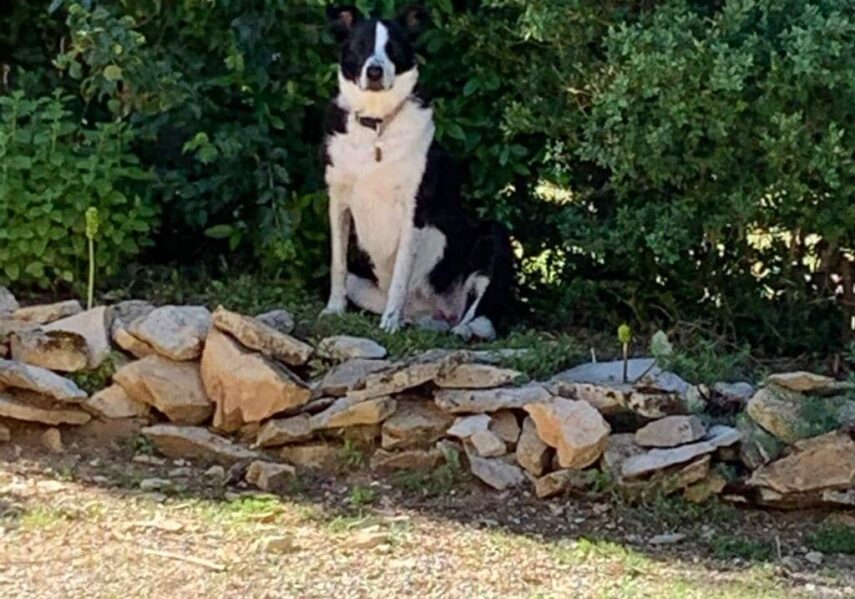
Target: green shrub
{"points": [[51, 171]]}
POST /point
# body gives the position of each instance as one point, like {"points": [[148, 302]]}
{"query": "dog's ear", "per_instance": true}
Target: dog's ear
{"points": [[342, 20], [413, 19]]}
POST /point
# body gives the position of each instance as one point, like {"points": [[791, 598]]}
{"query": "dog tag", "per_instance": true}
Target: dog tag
{"points": [[378, 154]]}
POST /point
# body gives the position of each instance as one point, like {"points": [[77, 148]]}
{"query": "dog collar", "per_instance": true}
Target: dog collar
{"points": [[380, 126]]}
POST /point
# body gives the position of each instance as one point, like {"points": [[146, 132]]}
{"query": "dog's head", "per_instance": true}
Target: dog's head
{"points": [[376, 53]]}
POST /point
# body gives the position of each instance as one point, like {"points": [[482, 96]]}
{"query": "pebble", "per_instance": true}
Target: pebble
{"points": [[814, 557]]}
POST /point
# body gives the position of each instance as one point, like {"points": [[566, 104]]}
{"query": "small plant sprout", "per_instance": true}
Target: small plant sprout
{"points": [[92, 223], [624, 334]]}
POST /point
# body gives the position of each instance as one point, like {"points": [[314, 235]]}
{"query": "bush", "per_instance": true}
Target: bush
{"points": [[51, 171]]}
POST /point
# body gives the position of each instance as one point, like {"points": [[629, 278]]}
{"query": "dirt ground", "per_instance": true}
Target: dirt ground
{"points": [[102, 519]]}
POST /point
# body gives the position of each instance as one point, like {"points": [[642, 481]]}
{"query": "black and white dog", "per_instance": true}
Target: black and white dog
{"points": [[402, 245]]}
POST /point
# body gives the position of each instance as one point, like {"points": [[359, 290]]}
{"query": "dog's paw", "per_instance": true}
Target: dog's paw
{"points": [[334, 308], [391, 321]]}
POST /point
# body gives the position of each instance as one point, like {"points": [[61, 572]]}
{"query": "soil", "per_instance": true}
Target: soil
{"points": [[103, 518]]}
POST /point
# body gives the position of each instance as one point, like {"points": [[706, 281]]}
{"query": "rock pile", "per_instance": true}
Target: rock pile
{"points": [[227, 388]]}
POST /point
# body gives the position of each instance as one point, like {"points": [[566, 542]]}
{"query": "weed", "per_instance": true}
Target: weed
{"points": [[833, 538], [819, 415], [92, 381], [360, 496], [45, 517], [726, 547], [705, 361], [587, 550], [675, 511], [351, 456], [141, 444]]}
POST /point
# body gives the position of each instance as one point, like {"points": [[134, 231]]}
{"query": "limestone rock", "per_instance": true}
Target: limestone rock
{"points": [[93, 325], [173, 388], [476, 376], [10, 325], [5, 434], [778, 412], [282, 431], [721, 436], [822, 463], [416, 423], [574, 428], [136, 347], [466, 426], [559, 483], [176, 332], [487, 444], [666, 482], [345, 347], [46, 313], [345, 376], [496, 472], [407, 459], [702, 491], [58, 350], [32, 378], [280, 319], [270, 477], [127, 311], [403, 376], [197, 443], [670, 432], [246, 386], [803, 382], [35, 408], [316, 456], [619, 448], [532, 453], [347, 411], [504, 424], [738, 393], [490, 400], [114, 402], [262, 338], [758, 447], [8, 303], [51, 440], [660, 459]]}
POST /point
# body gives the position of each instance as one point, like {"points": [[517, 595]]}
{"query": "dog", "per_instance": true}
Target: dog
{"points": [[402, 245]]}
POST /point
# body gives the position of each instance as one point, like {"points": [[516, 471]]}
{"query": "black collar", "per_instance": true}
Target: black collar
{"points": [[369, 122]]}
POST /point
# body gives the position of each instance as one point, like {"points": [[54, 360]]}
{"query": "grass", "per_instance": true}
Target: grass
{"points": [[674, 512], [351, 456], [362, 496], [727, 548], [833, 538]]}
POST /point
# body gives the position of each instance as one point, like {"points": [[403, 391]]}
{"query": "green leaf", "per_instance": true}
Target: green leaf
{"points": [[112, 73], [219, 231]]}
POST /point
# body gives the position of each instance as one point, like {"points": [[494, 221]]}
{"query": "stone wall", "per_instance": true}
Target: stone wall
{"points": [[227, 388]]}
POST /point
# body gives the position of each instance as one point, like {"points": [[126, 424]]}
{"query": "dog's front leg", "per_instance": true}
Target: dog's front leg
{"points": [[339, 236], [400, 284]]}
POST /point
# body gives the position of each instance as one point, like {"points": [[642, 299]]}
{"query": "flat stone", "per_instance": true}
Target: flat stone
{"points": [[197, 443], [670, 432], [803, 382], [259, 337], [466, 426], [496, 472], [8, 303], [833, 498], [32, 378], [270, 477], [407, 459], [136, 347], [113, 402], [487, 444], [93, 325], [246, 386], [127, 311], [316, 456], [282, 431], [476, 376], [176, 332], [667, 539], [573, 427], [173, 388], [10, 325], [35, 408], [778, 412], [739, 392], [666, 482], [345, 347], [5, 434], [58, 350], [369, 539], [51, 440], [490, 400], [345, 376], [822, 463], [660, 459], [410, 374], [347, 411], [416, 423], [532, 453], [279, 319], [619, 448], [721, 436], [46, 313], [559, 483], [504, 424], [758, 447]]}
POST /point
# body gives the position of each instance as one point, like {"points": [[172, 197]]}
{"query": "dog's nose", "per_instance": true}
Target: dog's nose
{"points": [[374, 73]]}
